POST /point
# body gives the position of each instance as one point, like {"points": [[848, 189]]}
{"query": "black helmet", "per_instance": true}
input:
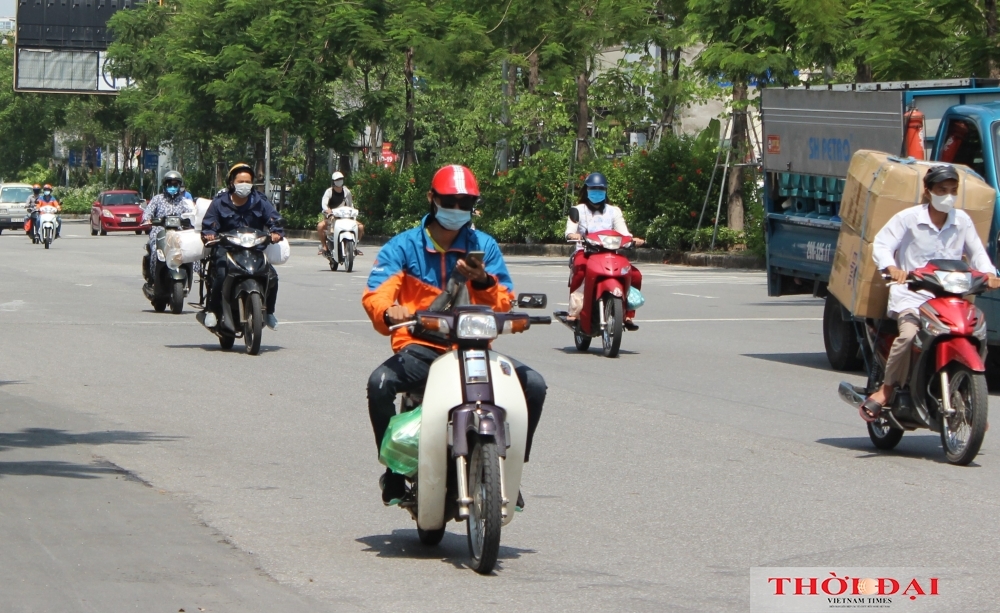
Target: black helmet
{"points": [[170, 178], [596, 180], [937, 174]]}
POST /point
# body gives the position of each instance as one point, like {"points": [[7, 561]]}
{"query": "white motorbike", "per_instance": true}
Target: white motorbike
{"points": [[341, 237], [47, 224], [473, 426]]}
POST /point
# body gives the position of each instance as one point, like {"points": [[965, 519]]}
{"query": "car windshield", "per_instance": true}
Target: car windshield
{"points": [[15, 194], [113, 199]]}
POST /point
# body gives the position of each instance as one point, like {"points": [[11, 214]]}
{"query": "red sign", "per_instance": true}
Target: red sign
{"points": [[773, 144], [388, 157]]}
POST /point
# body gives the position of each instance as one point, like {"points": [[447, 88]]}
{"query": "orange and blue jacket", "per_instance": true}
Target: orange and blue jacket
{"points": [[411, 271]]}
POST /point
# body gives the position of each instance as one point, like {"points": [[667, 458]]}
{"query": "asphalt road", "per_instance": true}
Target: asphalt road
{"points": [[143, 468]]}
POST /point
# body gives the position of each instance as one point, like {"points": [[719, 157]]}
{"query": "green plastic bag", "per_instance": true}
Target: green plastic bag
{"points": [[400, 443]]}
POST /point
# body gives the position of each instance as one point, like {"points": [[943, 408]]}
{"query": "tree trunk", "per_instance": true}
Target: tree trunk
{"points": [[734, 210], [220, 169], [513, 149], [671, 67], [536, 145], [582, 114], [409, 157], [862, 71], [258, 161], [284, 169], [991, 35], [310, 158]]}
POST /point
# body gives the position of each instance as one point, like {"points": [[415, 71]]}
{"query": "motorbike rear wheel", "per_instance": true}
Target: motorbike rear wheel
{"points": [[159, 305], [430, 537], [348, 247], [484, 522], [614, 315], [581, 340], [884, 436], [962, 433], [227, 342], [177, 297], [253, 324]]}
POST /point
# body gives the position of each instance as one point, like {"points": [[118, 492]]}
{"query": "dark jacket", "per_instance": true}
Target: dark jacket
{"points": [[257, 213]]}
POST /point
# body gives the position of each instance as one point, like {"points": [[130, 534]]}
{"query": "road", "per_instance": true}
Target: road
{"points": [[140, 465]]}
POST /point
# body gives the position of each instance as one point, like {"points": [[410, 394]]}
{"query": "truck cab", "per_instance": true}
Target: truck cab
{"points": [[809, 136]]}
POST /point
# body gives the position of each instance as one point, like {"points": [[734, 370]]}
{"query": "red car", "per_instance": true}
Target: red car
{"points": [[118, 210]]}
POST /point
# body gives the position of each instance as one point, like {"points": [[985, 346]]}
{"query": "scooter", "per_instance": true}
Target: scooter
{"points": [[473, 424], [168, 285], [341, 237], [47, 224], [605, 292], [244, 288], [947, 386]]}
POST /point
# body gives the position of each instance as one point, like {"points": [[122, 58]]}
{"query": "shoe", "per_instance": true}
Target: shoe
{"points": [[519, 505], [393, 488], [323, 252], [630, 325], [209, 320], [271, 321], [358, 252]]}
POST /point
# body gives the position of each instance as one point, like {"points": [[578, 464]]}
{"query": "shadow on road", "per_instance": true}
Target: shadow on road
{"points": [[809, 360], [453, 549], [923, 447], [596, 351], [37, 438], [69, 470], [215, 348], [3, 383]]}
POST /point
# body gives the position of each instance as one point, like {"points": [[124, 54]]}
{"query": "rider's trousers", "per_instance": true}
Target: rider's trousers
{"points": [[897, 367]]}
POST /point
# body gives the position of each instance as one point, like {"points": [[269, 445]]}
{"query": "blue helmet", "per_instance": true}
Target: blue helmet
{"points": [[596, 180], [595, 191]]}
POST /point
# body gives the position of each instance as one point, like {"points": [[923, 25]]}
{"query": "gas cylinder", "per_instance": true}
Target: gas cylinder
{"points": [[914, 139], [957, 131]]}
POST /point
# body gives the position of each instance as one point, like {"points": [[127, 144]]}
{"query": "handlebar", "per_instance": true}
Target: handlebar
{"points": [[540, 319]]}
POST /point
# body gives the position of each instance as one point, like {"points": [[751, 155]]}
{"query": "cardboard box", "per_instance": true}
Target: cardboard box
{"points": [[854, 280], [880, 185]]}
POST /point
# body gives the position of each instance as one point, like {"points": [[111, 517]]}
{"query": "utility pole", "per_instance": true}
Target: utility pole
{"points": [[267, 163]]}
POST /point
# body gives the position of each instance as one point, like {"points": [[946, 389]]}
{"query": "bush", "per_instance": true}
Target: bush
{"points": [[78, 200]]}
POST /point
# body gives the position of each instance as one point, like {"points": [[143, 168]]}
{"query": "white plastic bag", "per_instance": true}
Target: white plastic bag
{"points": [[278, 253], [200, 208], [183, 247]]}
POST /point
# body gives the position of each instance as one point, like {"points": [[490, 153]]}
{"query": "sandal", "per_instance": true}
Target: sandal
{"points": [[630, 325], [869, 410]]}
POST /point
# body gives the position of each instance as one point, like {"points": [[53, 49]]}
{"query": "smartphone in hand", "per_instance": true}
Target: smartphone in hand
{"points": [[475, 258]]}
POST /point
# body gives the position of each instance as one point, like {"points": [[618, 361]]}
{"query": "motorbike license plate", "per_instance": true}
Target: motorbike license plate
{"points": [[476, 367]]}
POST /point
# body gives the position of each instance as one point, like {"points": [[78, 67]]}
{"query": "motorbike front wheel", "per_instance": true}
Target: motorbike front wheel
{"points": [[254, 321], [348, 247], [962, 433], [485, 517], [614, 315], [48, 241], [177, 297]]}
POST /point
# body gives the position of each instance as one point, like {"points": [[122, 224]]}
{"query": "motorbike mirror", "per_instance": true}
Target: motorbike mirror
{"points": [[574, 215], [532, 301]]}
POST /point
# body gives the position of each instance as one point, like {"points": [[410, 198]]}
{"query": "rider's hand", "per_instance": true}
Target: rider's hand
{"points": [[638, 242], [275, 237], [472, 273], [573, 237], [207, 238], [993, 281], [898, 275], [398, 314]]}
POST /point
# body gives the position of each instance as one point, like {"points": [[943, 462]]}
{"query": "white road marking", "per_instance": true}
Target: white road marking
{"points": [[660, 321], [694, 295], [84, 284], [10, 307]]}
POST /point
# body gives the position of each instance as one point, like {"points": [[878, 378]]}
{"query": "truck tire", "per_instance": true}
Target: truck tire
{"points": [[839, 337]]}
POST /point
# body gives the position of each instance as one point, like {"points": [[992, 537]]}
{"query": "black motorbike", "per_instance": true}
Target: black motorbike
{"points": [[167, 286], [244, 289]]}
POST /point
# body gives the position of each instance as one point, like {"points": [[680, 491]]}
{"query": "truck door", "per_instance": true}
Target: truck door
{"points": [[963, 144]]}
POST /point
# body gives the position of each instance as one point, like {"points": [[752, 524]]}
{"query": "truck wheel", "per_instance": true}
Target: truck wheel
{"points": [[841, 342]]}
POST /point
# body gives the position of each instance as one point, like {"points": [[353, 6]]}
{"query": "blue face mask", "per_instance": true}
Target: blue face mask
{"points": [[173, 190], [452, 219], [596, 196]]}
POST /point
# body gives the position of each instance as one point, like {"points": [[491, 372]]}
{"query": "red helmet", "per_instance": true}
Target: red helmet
{"points": [[455, 180]]}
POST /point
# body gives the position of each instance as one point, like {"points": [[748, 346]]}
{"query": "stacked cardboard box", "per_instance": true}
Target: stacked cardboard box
{"points": [[879, 186]]}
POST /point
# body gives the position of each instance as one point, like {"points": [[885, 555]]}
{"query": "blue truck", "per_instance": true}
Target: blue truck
{"points": [[809, 135]]}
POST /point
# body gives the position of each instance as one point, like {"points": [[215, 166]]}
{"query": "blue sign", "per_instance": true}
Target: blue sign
{"points": [[74, 159], [151, 160]]}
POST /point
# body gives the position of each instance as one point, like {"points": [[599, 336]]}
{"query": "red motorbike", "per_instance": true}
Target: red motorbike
{"points": [[605, 291], [947, 386]]}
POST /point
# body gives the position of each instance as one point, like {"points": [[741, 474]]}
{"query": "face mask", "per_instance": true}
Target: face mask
{"points": [[596, 196], [452, 219], [339, 183], [48, 193], [243, 189], [944, 204], [173, 190]]}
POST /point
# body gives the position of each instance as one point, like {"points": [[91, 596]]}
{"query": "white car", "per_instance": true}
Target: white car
{"points": [[13, 205]]}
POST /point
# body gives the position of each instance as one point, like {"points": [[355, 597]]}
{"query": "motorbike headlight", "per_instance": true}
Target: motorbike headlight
{"points": [[477, 326], [611, 242], [107, 213], [246, 239], [954, 282]]}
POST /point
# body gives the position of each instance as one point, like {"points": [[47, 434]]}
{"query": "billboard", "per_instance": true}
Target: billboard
{"points": [[61, 46]]}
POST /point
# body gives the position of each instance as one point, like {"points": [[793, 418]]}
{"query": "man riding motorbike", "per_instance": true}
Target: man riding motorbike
{"points": [[46, 199], [929, 231], [170, 201], [410, 271], [335, 196], [596, 215], [238, 207], [36, 191]]}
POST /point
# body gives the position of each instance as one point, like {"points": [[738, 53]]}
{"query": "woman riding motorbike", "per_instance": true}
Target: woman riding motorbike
{"points": [[170, 201]]}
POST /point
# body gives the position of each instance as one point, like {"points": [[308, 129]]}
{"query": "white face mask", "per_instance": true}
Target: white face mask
{"points": [[943, 204], [243, 189]]}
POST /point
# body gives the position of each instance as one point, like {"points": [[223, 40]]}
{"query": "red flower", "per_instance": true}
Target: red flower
{"points": [[502, 173], [643, 153], [680, 178], [673, 165], [694, 214], [698, 170], [412, 180], [513, 191], [373, 175]]}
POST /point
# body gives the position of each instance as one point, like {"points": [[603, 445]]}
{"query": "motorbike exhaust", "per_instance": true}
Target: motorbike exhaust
{"points": [[850, 394]]}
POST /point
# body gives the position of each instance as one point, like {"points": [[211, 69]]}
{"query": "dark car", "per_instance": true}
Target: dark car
{"points": [[117, 211]]}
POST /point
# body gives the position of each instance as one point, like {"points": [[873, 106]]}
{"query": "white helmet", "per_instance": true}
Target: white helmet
{"points": [[337, 176]]}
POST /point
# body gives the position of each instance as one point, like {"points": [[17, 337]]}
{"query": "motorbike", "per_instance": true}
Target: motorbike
{"points": [[605, 291], [947, 385], [168, 285], [473, 425], [244, 288], [48, 223], [341, 237]]}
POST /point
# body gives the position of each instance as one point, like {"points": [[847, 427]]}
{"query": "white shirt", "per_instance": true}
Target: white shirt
{"points": [[910, 240], [610, 218], [328, 194]]}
